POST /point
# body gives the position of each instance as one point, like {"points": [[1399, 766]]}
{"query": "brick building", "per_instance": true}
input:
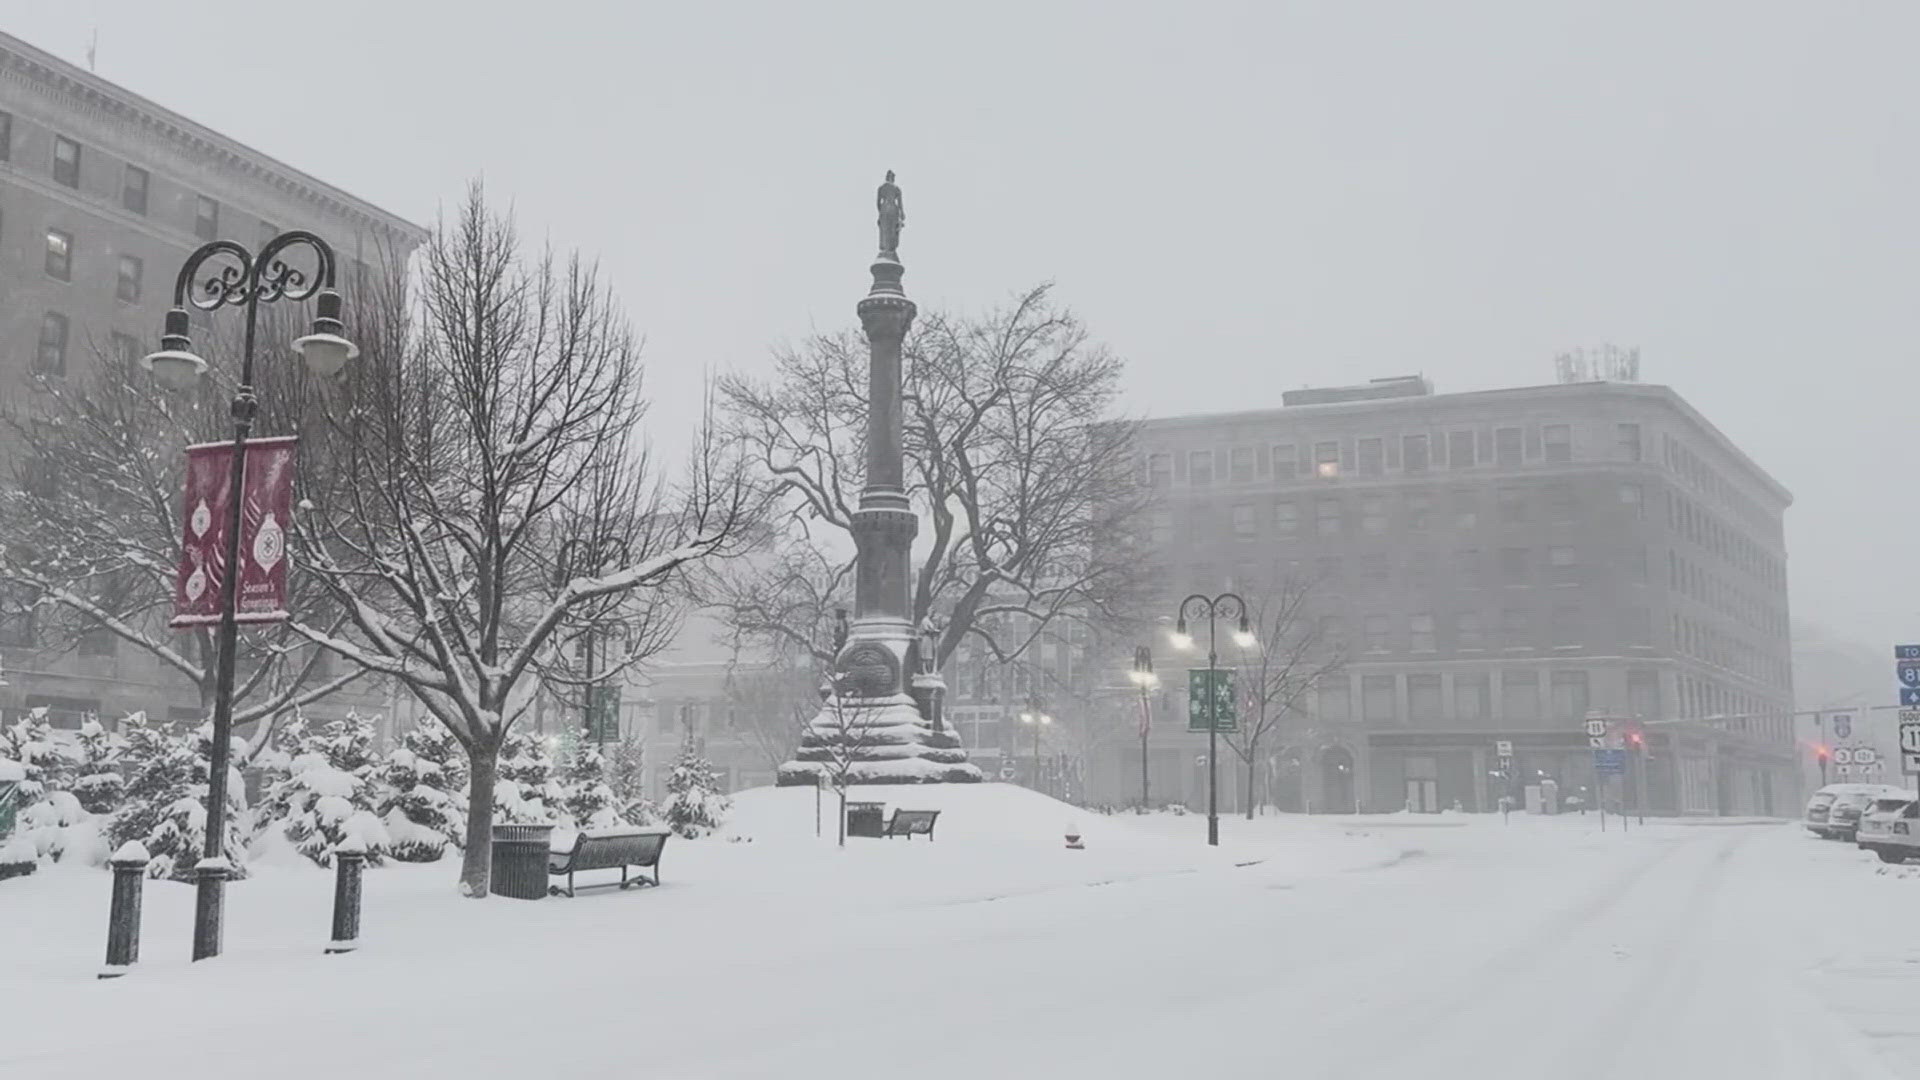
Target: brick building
{"points": [[1499, 565], [103, 194]]}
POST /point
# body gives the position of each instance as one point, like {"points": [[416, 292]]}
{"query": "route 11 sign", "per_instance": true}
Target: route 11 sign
{"points": [[1910, 741]]}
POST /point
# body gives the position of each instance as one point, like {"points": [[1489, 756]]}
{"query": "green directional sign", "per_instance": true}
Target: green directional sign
{"points": [[1210, 700], [603, 713]]}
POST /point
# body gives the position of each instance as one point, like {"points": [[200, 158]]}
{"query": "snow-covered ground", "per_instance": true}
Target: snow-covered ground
{"points": [[1366, 947]]}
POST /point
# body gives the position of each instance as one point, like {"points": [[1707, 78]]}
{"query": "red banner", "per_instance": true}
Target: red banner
{"points": [[265, 515]]}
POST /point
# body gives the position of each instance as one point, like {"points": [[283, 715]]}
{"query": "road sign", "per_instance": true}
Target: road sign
{"points": [[1843, 755], [1910, 697], [1865, 755], [1007, 771], [1596, 727], [1843, 725], [1909, 734], [1503, 748], [1210, 695], [1910, 763], [1906, 652], [1907, 671], [1610, 762]]}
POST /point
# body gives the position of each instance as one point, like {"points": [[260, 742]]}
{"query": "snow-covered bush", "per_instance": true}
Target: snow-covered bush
{"points": [[585, 794], [524, 791], [330, 793], [421, 806], [29, 741], [97, 781], [165, 807], [695, 806]]}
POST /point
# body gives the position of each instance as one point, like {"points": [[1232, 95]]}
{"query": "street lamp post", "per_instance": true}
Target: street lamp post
{"points": [[1231, 606], [1037, 720], [1144, 678], [246, 282]]}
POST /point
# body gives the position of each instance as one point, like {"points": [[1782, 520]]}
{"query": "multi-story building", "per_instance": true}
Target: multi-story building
{"points": [[103, 194], [1499, 566]]}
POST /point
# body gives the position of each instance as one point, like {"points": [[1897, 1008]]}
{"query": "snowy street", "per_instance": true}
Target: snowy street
{"points": [[1433, 946]]}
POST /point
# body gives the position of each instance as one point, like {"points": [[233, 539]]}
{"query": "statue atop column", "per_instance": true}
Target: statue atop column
{"points": [[893, 216]]}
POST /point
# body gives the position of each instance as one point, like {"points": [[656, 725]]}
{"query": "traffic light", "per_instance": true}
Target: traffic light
{"points": [[1822, 753]]}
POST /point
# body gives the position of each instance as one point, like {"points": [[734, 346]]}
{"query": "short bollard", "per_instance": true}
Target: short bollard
{"points": [[348, 860], [123, 918]]}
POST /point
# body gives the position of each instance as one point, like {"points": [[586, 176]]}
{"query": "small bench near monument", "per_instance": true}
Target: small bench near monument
{"points": [[604, 849], [909, 823]]}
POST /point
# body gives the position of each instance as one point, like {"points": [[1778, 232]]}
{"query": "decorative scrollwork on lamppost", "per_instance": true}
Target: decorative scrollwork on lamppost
{"points": [[243, 280]]}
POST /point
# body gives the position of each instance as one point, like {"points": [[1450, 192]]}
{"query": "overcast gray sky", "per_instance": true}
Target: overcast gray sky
{"points": [[1240, 198]]}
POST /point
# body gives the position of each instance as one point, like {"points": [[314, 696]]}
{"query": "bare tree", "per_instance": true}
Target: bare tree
{"points": [[760, 704], [1014, 459], [844, 736], [1289, 657], [499, 424], [90, 528]]}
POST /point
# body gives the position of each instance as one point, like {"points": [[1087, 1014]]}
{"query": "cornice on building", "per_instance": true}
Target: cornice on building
{"points": [[81, 90]]}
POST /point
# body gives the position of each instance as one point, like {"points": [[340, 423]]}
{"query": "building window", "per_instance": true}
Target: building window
{"points": [[1414, 455], [1160, 527], [1466, 566], [1564, 625], [1519, 696], [1634, 500], [1373, 633], [1569, 690], [133, 189], [1470, 697], [1327, 571], [1467, 633], [1560, 505], [206, 218], [1513, 565], [1373, 515], [1506, 447], [125, 348], [51, 359], [6, 136], [59, 261], [1159, 470], [1285, 464], [128, 286], [1199, 467], [1425, 701], [1512, 502], [1326, 460], [1643, 694], [1245, 525], [1241, 458], [1377, 704], [1460, 450], [1371, 456], [1286, 519], [1420, 568], [1419, 512], [1373, 568], [66, 161], [1420, 633], [1466, 511], [1561, 557], [1558, 440], [1327, 516], [1513, 628], [1335, 700], [1627, 442]]}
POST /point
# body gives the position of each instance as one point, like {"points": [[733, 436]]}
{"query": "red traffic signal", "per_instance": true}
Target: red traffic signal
{"points": [[1823, 753]]}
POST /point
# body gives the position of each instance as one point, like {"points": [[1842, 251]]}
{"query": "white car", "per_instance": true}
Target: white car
{"points": [[1843, 814], [1891, 829], [1820, 808]]}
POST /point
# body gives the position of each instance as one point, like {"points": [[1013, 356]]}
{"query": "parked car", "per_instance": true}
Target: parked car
{"points": [[1876, 821], [1843, 814], [1821, 808], [1894, 835]]}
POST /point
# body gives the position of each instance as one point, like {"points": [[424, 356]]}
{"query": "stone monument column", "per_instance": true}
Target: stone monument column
{"points": [[873, 687]]}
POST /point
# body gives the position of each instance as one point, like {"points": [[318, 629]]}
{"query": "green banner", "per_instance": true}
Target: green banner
{"points": [[1210, 700], [603, 713]]}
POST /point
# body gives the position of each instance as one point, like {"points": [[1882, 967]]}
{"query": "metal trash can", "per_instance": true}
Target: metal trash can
{"points": [[519, 867], [866, 819]]}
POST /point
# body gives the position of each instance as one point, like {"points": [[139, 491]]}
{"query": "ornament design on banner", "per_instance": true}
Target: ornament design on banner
{"points": [[269, 544]]}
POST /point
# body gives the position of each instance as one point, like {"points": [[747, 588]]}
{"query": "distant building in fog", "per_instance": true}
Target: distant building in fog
{"points": [[103, 194], [1500, 564]]}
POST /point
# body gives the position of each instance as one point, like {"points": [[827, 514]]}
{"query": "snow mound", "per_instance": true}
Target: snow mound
{"points": [[1000, 814]]}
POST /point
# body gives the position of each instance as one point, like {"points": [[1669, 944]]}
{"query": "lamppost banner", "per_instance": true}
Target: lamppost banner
{"points": [[265, 512]]}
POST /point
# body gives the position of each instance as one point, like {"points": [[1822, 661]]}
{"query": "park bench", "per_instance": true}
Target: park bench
{"points": [[909, 823], [604, 849]]}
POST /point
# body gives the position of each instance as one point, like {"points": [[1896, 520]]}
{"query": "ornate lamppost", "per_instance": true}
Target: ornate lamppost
{"points": [[1036, 719], [1144, 678], [1213, 608], [244, 281]]}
